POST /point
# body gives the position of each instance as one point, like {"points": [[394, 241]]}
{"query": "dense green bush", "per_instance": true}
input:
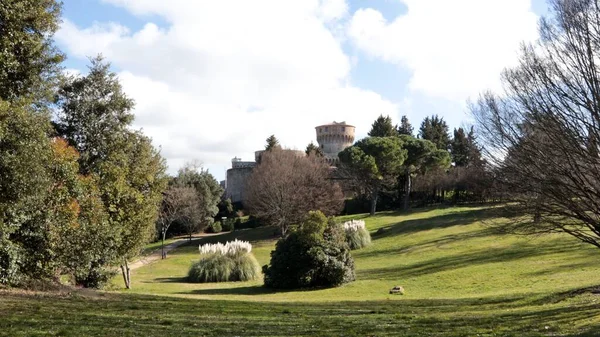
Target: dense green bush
{"points": [[232, 261], [215, 227], [357, 236], [228, 225], [315, 255]]}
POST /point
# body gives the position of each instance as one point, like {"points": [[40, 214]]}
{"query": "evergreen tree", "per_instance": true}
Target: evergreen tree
{"points": [[460, 148], [405, 128], [374, 162], [313, 149], [272, 143], [382, 127], [95, 117], [435, 129], [29, 63]]}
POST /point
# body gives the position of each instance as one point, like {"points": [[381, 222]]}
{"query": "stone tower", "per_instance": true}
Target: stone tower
{"points": [[334, 138]]}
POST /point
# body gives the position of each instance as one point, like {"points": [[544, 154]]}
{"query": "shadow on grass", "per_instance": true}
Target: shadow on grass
{"points": [[436, 222], [149, 316], [478, 257]]}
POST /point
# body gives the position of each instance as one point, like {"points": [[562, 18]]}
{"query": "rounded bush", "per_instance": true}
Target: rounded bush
{"points": [[358, 239], [215, 227], [246, 268], [316, 255]]}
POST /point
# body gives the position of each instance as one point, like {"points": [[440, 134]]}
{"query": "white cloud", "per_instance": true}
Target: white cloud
{"points": [[224, 75], [455, 49]]}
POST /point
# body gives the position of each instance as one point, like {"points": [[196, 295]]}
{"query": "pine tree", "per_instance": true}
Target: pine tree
{"points": [[272, 143], [435, 129], [382, 127], [313, 149], [405, 128]]}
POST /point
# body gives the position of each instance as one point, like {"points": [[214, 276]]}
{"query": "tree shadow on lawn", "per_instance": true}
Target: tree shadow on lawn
{"points": [[479, 257], [249, 290], [437, 222]]}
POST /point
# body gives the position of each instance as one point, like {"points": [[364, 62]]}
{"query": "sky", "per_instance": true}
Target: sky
{"points": [[213, 79]]}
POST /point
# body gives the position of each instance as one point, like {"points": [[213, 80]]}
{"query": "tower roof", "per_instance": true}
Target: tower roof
{"points": [[336, 124]]}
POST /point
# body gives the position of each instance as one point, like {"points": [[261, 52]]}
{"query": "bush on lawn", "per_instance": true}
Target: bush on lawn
{"points": [[219, 262], [228, 225], [314, 255], [357, 235], [215, 227]]}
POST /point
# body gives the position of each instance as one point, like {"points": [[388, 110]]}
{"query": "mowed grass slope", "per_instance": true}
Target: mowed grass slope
{"points": [[461, 279], [436, 254]]}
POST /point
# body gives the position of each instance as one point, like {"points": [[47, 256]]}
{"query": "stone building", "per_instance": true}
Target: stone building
{"points": [[332, 138]]}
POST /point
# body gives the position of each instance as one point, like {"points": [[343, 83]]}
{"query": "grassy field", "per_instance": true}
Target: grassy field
{"points": [[461, 279]]}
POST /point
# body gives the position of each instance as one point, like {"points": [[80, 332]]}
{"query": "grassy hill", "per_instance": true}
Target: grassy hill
{"points": [[461, 279]]}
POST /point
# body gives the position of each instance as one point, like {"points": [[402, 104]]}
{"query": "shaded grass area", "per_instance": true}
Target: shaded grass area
{"points": [[140, 315]]}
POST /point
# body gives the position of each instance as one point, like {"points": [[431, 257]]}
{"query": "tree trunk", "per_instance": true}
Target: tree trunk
{"points": [[407, 188], [374, 197], [126, 274], [164, 233]]}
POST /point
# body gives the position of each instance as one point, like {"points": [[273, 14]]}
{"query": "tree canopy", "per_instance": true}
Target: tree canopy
{"points": [[374, 162], [435, 129], [405, 128], [382, 127]]}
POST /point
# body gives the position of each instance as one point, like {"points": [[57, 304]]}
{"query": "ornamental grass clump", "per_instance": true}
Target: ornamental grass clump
{"points": [[232, 261], [357, 234]]}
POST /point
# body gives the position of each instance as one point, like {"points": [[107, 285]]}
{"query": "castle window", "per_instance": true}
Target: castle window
{"points": [[343, 128], [326, 129], [320, 129]]}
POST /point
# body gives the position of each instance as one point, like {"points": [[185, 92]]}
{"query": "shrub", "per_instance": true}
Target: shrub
{"points": [[315, 255], [232, 261], [215, 227], [229, 225], [357, 235]]}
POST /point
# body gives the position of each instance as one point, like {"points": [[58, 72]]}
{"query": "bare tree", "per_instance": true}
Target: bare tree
{"points": [[542, 132], [285, 186], [176, 205]]}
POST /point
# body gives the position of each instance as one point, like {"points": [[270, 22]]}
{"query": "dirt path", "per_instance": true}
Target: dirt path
{"points": [[156, 255]]}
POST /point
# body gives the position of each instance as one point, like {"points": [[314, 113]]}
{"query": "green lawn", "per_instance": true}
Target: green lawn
{"points": [[460, 277]]}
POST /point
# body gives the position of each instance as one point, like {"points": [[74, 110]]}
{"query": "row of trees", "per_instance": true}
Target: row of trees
{"points": [[80, 189], [391, 158]]}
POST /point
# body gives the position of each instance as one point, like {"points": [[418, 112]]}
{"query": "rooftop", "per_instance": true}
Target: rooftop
{"points": [[336, 124]]}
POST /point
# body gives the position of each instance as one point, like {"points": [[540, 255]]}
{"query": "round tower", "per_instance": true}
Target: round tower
{"points": [[333, 138]]}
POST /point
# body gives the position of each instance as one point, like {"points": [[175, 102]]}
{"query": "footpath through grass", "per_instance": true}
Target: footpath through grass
{"points": [[461, 279]]}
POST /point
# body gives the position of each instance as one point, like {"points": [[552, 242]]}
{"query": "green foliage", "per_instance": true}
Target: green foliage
{"points": [[215, 227], [272, 143], [224, 268], [374, 162], [25, 155], [435, 129], [312, 149], [29, 63], [382, 127], [405, 128], [228, 224], [358, 239], [315, 255], [209, 194], [95, 117]]}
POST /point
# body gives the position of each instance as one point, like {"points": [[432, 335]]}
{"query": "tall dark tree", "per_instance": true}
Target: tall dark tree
{"points": [[435, 129], [314, 150], [405, 128], [382, 127], [272, 143], [538, 132], [29, 62], [460, 148], [95, 117], [374, 162]]}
